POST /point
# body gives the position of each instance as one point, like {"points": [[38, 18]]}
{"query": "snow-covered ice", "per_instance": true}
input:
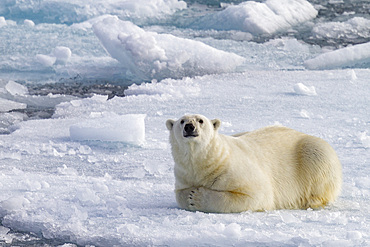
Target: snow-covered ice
{"points": [[353, 29], [105, 193], [72, 11], [149, 55], [302, 89], [29, 23], [100, 172], [2, 21], [8, 105], [105, 126], [62, 54], [16, 89], [46, 60], [346, 57], [266, 17]]}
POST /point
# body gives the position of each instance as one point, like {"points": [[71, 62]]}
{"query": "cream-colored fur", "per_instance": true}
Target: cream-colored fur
{"points": [[270, 168]]}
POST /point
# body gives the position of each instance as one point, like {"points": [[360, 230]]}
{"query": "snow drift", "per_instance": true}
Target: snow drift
{"points": [[267, 17], [149, 55]]}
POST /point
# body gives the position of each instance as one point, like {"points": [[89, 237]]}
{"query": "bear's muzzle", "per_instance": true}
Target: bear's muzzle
{"points": [[190, 130]]}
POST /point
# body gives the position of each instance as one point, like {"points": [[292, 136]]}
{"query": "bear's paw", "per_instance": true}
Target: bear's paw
{"points": [[195, 199]]}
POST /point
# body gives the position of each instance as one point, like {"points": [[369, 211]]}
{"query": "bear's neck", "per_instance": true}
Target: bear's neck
{"points": [[199, 161]]}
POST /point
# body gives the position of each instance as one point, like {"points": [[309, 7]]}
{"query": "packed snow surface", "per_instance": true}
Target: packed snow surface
{"points": [[110, 193]]}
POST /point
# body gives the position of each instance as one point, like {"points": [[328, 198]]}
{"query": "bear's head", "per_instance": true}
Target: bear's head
{"points": [[192, 129]]}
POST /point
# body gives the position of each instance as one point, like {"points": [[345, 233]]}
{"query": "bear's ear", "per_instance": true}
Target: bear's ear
{"points": [[216, 123], [169, 124]]}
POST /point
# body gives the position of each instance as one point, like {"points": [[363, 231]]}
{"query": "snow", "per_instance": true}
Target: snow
{"points": [[109, 193], [16, 89], [302, 89], [73, 11], [28, 23], [8, 105], [106, 126], [354, 28], [15, 97], [2, 21], [100, 172], [149, 55], [62, 54], [266, 17], [350, 56], [46, 60]]}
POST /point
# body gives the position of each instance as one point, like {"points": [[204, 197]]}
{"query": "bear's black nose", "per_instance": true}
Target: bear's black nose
{"points": [[189, 128]]}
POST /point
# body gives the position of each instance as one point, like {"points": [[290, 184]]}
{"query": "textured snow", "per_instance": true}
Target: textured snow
{"points": [[8, 105], [99, 173], [346, 57], [265, 17], [109, 193], [302, 89], [71, 11], [355, 28], [149, 55]]}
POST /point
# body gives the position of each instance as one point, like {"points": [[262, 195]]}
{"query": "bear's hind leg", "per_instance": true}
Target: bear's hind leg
{"points": [[321, 172]]}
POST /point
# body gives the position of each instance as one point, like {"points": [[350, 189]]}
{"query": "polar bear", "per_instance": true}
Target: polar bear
{"points": [[270, 168]]}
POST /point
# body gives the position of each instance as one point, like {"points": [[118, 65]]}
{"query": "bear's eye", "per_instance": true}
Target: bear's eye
{"points": [[182, 122], [200, 121]]}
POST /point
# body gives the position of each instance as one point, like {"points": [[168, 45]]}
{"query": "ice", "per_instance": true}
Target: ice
{"points": [[302, 89], [351, 56], [15, 99], [3, 231], [266, 17], [353, 75], [2, 22], [16, 89], [8, 105], [110, 193], [167, 88], [14, 203], [62, 54], [45, 60], [57, 190], [354, 29], [149, 55], [111, 127], [72, 11], [365, 139], [28, 23], [354, 235]]}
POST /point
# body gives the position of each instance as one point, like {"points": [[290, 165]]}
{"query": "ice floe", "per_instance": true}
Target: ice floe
{"points": [[265, 17], [351, 56], [150, 55]]}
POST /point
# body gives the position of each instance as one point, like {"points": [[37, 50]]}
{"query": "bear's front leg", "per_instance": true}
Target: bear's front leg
{"points": [[182, 197], [212, 201]]}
